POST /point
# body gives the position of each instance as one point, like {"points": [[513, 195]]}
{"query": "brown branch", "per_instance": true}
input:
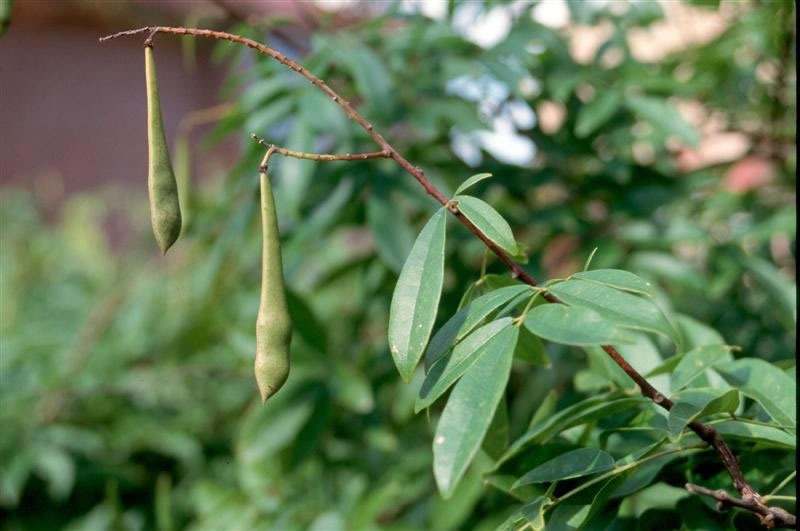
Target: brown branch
{"points": [[319, 156], [770, 516], [706, 433]]}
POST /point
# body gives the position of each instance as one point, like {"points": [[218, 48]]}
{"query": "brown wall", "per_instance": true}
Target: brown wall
{"points": [[73, 109]]}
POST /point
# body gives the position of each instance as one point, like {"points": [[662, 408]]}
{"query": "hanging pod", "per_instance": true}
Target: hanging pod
{"points": [[273, 325], [165, 211]]}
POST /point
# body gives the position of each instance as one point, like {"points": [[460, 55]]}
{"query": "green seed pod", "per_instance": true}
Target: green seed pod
{"points": [[273, 326], [165, 210]]}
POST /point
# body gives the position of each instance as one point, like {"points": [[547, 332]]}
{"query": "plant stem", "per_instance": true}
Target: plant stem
{"points": [[781, 485], [779, 498]]}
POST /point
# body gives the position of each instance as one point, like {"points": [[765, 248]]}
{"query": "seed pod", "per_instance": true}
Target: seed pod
{"points": [[165, 210], [273, 326]]}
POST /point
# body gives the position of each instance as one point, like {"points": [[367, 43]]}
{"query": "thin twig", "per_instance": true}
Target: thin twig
{"points": [[706, 433], [770, 516], [319, 156], [782, 484]]}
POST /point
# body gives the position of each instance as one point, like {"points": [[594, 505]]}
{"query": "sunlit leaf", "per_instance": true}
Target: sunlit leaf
{"points": [[486, 218], [467, 415], [619, 279], [489, 339], [695, 362], [766, 384], [531, 349], [467, 318], [534, 512], [623, 308], [416, 296], [573, 325], [574, 415], [698, 403], [574, 464], [769, 435], [475, 179], [393, 237]]}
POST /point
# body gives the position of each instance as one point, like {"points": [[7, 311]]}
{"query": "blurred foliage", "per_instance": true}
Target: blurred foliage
{"points": [[127, 395]]}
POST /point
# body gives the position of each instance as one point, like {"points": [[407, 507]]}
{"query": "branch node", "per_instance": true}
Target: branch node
{"points": [[148, 42], [769, 516]]}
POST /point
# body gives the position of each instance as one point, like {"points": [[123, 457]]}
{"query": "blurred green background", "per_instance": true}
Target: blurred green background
{"points": [[662, 133]]}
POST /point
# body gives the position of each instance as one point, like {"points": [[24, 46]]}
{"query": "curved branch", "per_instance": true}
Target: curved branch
{"points": [[770, 516], [318, 156], [705, 432]]}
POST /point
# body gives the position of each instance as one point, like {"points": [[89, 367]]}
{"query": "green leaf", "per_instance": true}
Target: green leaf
{"points": [[695, 362], [531, 349], [306, 323], [294, 175], [534, 512], [643, 355], [674, 271], [351, 389], [265, 431], [574, 464], [667, 366], [545, 409], [696, 334], [260, 121], [260, 91], [370, 75], [596, 113], [698, 403], [623, 308], [467, 416], [511, 523], [14, 476], [602, 372], [57, 468], [486, 218], [766, 384], [475, 179], [466, 319], [619, 279], [574, 415], [503, 482], [452, 513], [573, 325], [416, 296], [600, 499], [664, 116], [492, 281], [759, 433], [393, 237], [782, 291], [496, 440], [495, 337]]}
